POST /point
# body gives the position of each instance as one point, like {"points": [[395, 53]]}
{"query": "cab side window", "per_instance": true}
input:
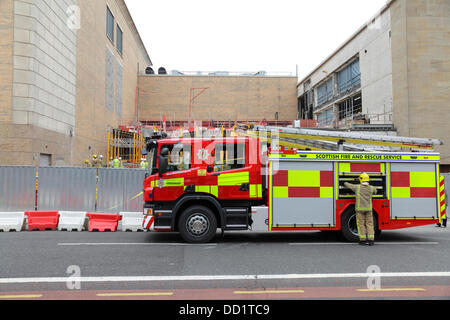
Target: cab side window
{"points": [[229, 156], [179, 157]]}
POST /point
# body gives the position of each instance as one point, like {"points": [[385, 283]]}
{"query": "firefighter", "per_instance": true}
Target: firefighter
{"points": [[120, 163], [94, 160], [364, 217], [116, 163], [444, 216], [143, 164], [87, 163], [100, 161]]}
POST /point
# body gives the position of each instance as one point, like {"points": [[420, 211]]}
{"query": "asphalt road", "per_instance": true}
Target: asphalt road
{"points": [[409, 263]]}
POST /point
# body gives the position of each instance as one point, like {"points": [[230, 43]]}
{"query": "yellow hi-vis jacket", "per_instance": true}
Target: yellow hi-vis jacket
{"points": [[116, 163], [364, 194]]}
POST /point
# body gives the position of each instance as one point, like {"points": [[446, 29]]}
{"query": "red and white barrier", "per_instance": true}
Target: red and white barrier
{"points": [[132, 221], [71, 220], [42, 220], [103, 222], [12, 221], [75, 221]]}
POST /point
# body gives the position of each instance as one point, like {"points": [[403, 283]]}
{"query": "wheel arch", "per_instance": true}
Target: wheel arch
{"points": [[198, 200]]}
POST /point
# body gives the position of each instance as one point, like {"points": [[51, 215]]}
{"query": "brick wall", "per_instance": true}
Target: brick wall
{"points": [[227, 97]]}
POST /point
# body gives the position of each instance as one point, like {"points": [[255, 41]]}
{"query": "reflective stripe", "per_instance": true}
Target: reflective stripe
{"points": [[401, 192], [344, 167], [214, 191], [303, 178], [233, 179], [281, 192], [422, 179], [326, 192], [253, 192], [205, 189], [177, 182]]}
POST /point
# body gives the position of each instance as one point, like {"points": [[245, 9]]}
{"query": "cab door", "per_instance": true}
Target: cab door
{"points": [[231, 169]]}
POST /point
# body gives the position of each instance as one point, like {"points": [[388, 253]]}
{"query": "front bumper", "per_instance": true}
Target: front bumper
{"points": [[156, 219]]}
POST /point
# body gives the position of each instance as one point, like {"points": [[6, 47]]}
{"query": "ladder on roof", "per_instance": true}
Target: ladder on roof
{"points": [[325, 140]]}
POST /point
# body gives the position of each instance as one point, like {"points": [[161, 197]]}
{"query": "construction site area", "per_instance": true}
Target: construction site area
{"points": [[225, 184]]}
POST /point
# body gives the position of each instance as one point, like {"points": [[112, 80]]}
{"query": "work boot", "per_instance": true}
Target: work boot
{"points": [[371, 242], [363, 243]]}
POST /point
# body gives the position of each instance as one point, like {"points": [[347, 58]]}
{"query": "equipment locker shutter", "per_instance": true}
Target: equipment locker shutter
{"points": [[302, 194], [413, 191]]}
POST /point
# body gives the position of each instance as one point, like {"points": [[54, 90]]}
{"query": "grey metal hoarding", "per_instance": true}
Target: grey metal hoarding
{"points": [[66, 188], [17, 188], [120, 190]]}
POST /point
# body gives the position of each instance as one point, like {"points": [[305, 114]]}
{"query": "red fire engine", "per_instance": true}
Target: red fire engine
{"points": [[198, 185]]}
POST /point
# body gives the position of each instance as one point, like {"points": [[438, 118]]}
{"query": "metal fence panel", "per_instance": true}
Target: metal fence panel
{"points": [[120, 190], [17, 188], [446, 181], [66, 188]]}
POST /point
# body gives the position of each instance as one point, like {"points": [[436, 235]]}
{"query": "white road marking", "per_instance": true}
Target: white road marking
{"points": [[225, 277], [354, 243], [215, 244], [132, 244]]}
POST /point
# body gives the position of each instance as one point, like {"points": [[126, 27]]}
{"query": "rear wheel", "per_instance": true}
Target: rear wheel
{"points": [[349, 229], [197, 224]]}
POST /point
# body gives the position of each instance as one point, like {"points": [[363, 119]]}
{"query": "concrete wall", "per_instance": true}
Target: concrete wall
{"points": [[53, 79], [372, 44], [6, 62], [99, 76], [44, 65], [36, 99], [228, 97], [421, 68]]}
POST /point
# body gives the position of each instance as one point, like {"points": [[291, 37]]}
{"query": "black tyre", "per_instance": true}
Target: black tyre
{"points": [[349, 229], [197, 224]]}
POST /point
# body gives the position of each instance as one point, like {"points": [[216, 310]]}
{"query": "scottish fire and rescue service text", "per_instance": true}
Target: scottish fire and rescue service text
{"points": [[359, 156]]}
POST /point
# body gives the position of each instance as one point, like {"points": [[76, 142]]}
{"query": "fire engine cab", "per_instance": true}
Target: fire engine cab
{"points": [[198, 185]]}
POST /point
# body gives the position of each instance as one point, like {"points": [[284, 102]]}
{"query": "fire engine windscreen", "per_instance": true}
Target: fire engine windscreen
{"points": [[179, 157]]}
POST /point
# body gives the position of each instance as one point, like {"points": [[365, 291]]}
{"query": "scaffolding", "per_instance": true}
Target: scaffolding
{"points": [[126, 144]]}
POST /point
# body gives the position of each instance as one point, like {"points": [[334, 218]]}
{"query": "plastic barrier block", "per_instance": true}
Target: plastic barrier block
{"points": [[12, 221], [71, 220], [132, 221], [42, 220], [103, 221]]}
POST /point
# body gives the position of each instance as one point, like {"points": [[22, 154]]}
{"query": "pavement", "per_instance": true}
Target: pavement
{"points": [[404, 264]]}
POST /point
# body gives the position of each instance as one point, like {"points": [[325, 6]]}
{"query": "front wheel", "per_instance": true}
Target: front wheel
{"points": [[197, 224]]}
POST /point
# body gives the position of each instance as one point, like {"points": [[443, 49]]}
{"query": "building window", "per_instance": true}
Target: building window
{"points": [[119, 40], [109, 25], [325, 92], [350, 108], [325, 118], [349, 77]]}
